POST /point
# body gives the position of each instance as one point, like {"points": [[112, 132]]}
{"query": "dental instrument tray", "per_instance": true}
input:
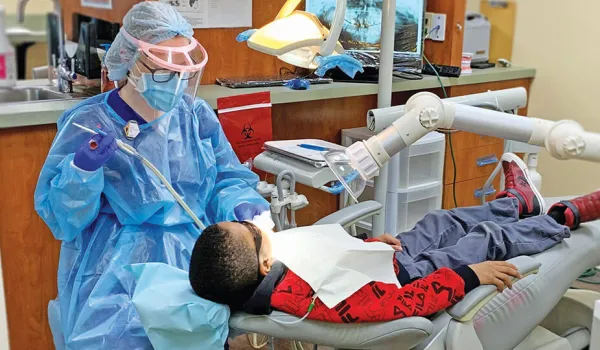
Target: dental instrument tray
{"points": [[308, 151], [306, 174], [268, 81]]}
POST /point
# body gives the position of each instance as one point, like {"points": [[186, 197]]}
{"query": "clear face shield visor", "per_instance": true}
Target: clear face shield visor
{"points": [[346, 172], [166, 75]]}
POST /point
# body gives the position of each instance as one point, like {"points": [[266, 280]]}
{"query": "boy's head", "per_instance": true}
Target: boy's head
{"points": [[229, 261]]}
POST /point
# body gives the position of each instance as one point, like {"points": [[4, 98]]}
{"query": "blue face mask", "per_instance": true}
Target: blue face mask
{"points": [[162, 96]]}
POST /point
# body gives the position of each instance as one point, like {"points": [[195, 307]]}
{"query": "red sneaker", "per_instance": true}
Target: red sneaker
{"points": [[518, 184], [579, 210]]}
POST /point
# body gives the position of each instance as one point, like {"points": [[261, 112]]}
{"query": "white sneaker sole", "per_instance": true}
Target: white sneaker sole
{"points": [[511, 157]]}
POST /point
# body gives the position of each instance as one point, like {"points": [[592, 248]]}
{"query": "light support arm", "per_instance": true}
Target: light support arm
{"points": [[565, 139], [287, 8], [426, 112], [504, 100], [384, 99], [337, 25]]}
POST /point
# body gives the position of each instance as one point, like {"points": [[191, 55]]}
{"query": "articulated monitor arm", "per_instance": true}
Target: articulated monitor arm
{"points": [[426, 112]]}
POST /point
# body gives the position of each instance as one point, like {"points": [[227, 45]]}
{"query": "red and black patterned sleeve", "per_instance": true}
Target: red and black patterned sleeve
{"points": [[376, 301]]}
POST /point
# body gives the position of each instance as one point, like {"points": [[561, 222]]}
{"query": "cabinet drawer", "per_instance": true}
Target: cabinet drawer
{"points": [[466, 192], [472, 163], [466, 140]]}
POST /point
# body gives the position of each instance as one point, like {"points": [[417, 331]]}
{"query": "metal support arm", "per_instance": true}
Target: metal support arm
{"points": [[426, 112]]}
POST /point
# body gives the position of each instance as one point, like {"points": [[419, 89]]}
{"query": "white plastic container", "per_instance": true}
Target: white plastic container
{"points": [[412, 205], [8, 67], [420, 164], [536, 178], [466, 63]]}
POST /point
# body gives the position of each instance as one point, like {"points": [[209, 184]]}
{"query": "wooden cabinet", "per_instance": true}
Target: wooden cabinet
{"points": [[29, 252], [472, 152], [468, 193], [463, 140], [472, 163]]}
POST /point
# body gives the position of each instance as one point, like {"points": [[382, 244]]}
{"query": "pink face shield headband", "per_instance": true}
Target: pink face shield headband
{"points": [[193, 54]]}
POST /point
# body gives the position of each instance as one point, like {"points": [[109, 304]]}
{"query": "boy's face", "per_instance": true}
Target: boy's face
{"points": [[256, 239]]}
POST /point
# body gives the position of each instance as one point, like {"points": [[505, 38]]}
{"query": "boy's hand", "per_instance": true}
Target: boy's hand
{"points": [[391, 240], [496, 273]]}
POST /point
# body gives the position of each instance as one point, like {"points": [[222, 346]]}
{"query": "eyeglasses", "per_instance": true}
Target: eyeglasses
{"points": [[256, 234], [161, 75]]}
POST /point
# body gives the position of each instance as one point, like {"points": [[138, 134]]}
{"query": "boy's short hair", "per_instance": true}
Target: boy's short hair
{"points": [[224, 267]]}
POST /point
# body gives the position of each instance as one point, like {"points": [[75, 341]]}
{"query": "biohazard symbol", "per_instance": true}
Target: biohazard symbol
{"points": [[247, 132]]}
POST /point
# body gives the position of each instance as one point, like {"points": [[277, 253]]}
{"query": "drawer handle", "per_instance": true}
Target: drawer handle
{"points": [[487, 160], [488, 192]]}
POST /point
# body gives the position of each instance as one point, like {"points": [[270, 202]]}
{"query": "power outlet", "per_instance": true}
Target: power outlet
{"points": [[435, 26], [427, 23], [438, 27]]}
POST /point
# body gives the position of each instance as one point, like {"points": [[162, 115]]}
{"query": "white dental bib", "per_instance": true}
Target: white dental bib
{"points": [[332, 262]]}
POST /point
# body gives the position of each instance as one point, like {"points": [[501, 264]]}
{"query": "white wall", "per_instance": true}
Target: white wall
{"points": [[473, 5], [560, 39]]}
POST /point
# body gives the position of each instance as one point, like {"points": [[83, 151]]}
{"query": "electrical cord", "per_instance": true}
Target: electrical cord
{"points": [[453, 170], [310, 308], [296, 73], [448, 132]]}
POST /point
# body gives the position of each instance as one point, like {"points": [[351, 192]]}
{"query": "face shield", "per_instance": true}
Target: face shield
{"points": [[345, 171], [167, 75]]}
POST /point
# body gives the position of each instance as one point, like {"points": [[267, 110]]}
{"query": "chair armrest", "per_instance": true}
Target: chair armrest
{"points": [[466, 309], [352, 214]]}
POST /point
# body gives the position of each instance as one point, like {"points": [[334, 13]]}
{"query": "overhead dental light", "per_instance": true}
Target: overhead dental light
{"points": [[300, 39], [321, 51]]}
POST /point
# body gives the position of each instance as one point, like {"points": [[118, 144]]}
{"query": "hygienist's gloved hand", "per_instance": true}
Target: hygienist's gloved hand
{"points": [[256, 214], [95, 152]]}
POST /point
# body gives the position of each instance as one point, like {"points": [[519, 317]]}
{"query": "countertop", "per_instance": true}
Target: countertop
{"points": [[47, 112]]}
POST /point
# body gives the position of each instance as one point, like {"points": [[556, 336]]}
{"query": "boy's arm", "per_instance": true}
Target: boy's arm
{"points": [[376, 301], [431, 294]]}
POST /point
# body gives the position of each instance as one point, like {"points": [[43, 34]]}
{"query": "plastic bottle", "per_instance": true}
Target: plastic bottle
{"points": [[536, 178], [8, 67]]}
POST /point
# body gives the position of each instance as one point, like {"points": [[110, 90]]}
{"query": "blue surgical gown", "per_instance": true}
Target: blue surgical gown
{"points": [[121, 214]]}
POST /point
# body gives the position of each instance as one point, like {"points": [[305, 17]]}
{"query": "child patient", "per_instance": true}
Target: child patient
{"points": [[446, 255]]}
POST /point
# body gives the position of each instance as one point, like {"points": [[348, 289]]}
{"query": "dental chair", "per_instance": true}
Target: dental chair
{"points": [[540, 312]]}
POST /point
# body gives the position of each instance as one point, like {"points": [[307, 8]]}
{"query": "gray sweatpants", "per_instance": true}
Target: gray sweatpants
{"points": [[465, 236]]}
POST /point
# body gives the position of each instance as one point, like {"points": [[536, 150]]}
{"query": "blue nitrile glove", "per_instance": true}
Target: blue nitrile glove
{"points": [[349, 65], [95, 152], [247, 211], [244, 36]]}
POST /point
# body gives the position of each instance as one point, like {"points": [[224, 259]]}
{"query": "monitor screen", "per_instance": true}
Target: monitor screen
{"points": [[361, 34]]}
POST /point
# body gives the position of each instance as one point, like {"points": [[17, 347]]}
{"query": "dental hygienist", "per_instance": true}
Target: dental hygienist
{"points": [[107, 208]]}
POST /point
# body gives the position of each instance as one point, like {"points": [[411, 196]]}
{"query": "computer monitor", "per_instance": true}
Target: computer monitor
{"points": [[361, 35]]}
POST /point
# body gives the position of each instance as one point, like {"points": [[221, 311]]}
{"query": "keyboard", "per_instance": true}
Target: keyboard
{"points": [[267, 81]]}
